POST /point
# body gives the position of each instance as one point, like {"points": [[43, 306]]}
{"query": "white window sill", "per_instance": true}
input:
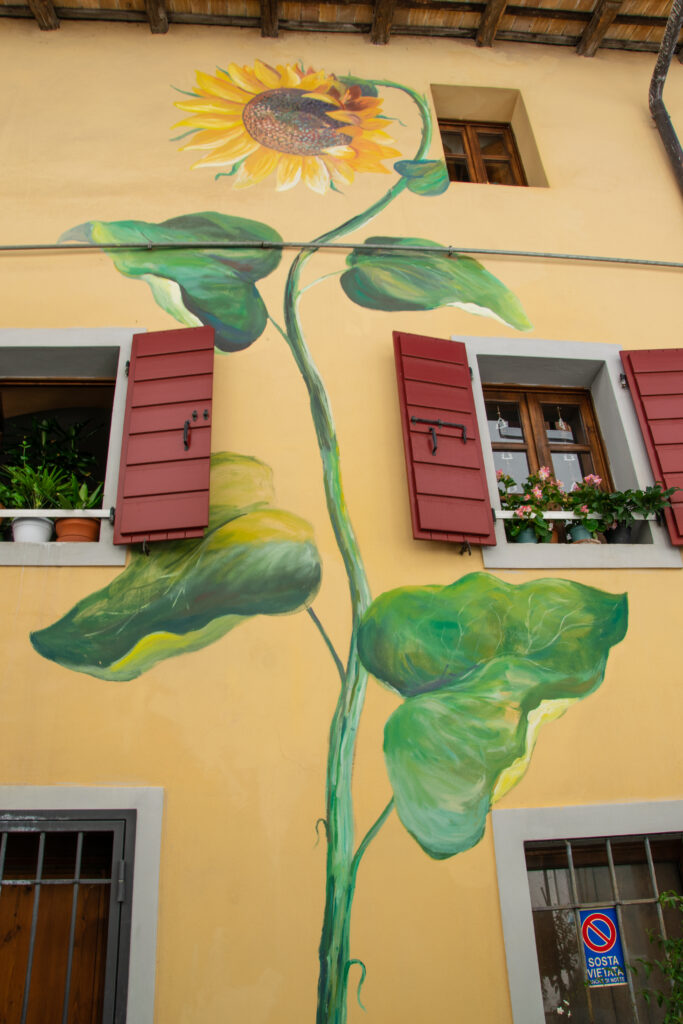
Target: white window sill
{"points": [[55, 552], [658, 554]]}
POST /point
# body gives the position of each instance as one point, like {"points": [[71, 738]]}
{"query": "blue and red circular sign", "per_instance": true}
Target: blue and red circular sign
{"points": [[599, 933]]}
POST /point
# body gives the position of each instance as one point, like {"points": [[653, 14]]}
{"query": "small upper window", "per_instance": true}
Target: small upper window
{"points": [[483, 152], [535, 427]]}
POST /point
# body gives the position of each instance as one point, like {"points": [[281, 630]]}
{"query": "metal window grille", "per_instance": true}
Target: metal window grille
{"points": [[627, 873], [65, 913]]}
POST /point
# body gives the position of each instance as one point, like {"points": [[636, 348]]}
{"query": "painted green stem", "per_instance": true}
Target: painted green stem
{"points": [[342, 861]]}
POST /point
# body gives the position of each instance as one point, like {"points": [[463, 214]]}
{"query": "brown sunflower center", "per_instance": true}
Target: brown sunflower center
{"points": [[289, 121]]}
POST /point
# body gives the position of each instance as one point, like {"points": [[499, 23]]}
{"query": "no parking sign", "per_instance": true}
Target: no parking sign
{"points": [[602, 948]]}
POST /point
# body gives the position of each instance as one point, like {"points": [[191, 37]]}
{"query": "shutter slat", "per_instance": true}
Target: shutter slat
{"points": [[163, 489], [449, 496], [655, 378]]}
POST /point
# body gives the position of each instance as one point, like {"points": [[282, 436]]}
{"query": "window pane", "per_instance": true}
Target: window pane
{"points": [[60, 855], [637, 922], [571, 467], [457, 169], [549, 887], [97, 852], [560, 966], [514, 464], [631, 869], [563, 424], [612, 1005], [492, 143], [499, 172], [453, 143], [593, 881], [21, 858], [504, 421]]}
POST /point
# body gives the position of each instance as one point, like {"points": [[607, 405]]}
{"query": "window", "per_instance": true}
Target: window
{"points": [[481, 152], [74, 375], [65, 901], [554, 862], [157, 420], [451, 459], [621, 873], [530, 428], [78, 903]]}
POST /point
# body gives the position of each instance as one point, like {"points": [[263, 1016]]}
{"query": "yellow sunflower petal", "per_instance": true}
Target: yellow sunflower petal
{"points": [[340, 172], [289, 76], [316, 174], [316, 79], [212, 140], [221, 87], [228, 155], [245, 78], [288, 172], [345, 152], [212, 122], [219, 107], [256, 167], [266, 74]]}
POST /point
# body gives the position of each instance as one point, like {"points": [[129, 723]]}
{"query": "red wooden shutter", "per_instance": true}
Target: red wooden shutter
{"points": [[163, 491], [655, 377], [449, 499]]}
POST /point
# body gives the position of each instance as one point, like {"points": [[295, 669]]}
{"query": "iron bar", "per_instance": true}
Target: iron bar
{"points": [[34, 926], [72, 929], [622, 932], [448, 250]]}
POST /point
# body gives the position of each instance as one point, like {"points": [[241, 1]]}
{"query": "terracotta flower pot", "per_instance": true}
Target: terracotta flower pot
{"points": [[78, 529]]}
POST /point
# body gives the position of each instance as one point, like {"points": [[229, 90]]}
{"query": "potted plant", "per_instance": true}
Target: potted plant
{"points": [[539, 493], [621, 507], [29, 487], [587, 501], [75, 494]]}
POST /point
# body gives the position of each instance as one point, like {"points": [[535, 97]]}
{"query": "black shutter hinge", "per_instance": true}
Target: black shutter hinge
{"points": [[121, 882], [493, 513], [471, 374], [112, 515], [466, 548], [127, 371], [623, 381]]}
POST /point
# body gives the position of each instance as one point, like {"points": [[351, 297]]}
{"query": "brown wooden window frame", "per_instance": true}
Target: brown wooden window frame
{"points": [[475, 160], [535, 444]]}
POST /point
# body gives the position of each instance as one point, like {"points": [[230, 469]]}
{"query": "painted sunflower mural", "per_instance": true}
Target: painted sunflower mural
{"points": [[480, 664], [300, 125]]}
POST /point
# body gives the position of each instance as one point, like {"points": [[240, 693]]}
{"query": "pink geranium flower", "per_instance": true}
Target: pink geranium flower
{"points": [[537, 492], [544, 472]]}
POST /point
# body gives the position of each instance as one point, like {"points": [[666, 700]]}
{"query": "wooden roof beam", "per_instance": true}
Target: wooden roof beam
{"points": [[604, 14], [490, 20], [382, 19], [269, 18], [44, 13], [156, 16]]}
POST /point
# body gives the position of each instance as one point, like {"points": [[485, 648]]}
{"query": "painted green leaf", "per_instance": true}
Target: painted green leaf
{"points": [[424, 177], [418, 639], [208, 286], [393, 281], [253, 560], [483, 664]]}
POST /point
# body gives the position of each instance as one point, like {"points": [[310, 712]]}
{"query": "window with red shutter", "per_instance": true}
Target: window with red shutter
{"points": [[655, 378], [163, 491], [446, 481]]}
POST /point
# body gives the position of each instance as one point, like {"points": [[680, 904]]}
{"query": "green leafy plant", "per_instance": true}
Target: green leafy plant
{"points": [[26, 486], [653, 500], [75, 493], [669, 963], [587, 501], [46, 442], [539, 493]]}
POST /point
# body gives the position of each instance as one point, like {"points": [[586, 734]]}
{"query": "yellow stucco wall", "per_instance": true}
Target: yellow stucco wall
{"points": [[237, 733]]}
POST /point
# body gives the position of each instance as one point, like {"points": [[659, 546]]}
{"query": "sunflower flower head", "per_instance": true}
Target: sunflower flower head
{"points": [[300, 125]]}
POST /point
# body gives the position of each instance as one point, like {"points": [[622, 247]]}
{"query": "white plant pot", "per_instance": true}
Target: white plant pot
{"points": [[32, 529]]}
